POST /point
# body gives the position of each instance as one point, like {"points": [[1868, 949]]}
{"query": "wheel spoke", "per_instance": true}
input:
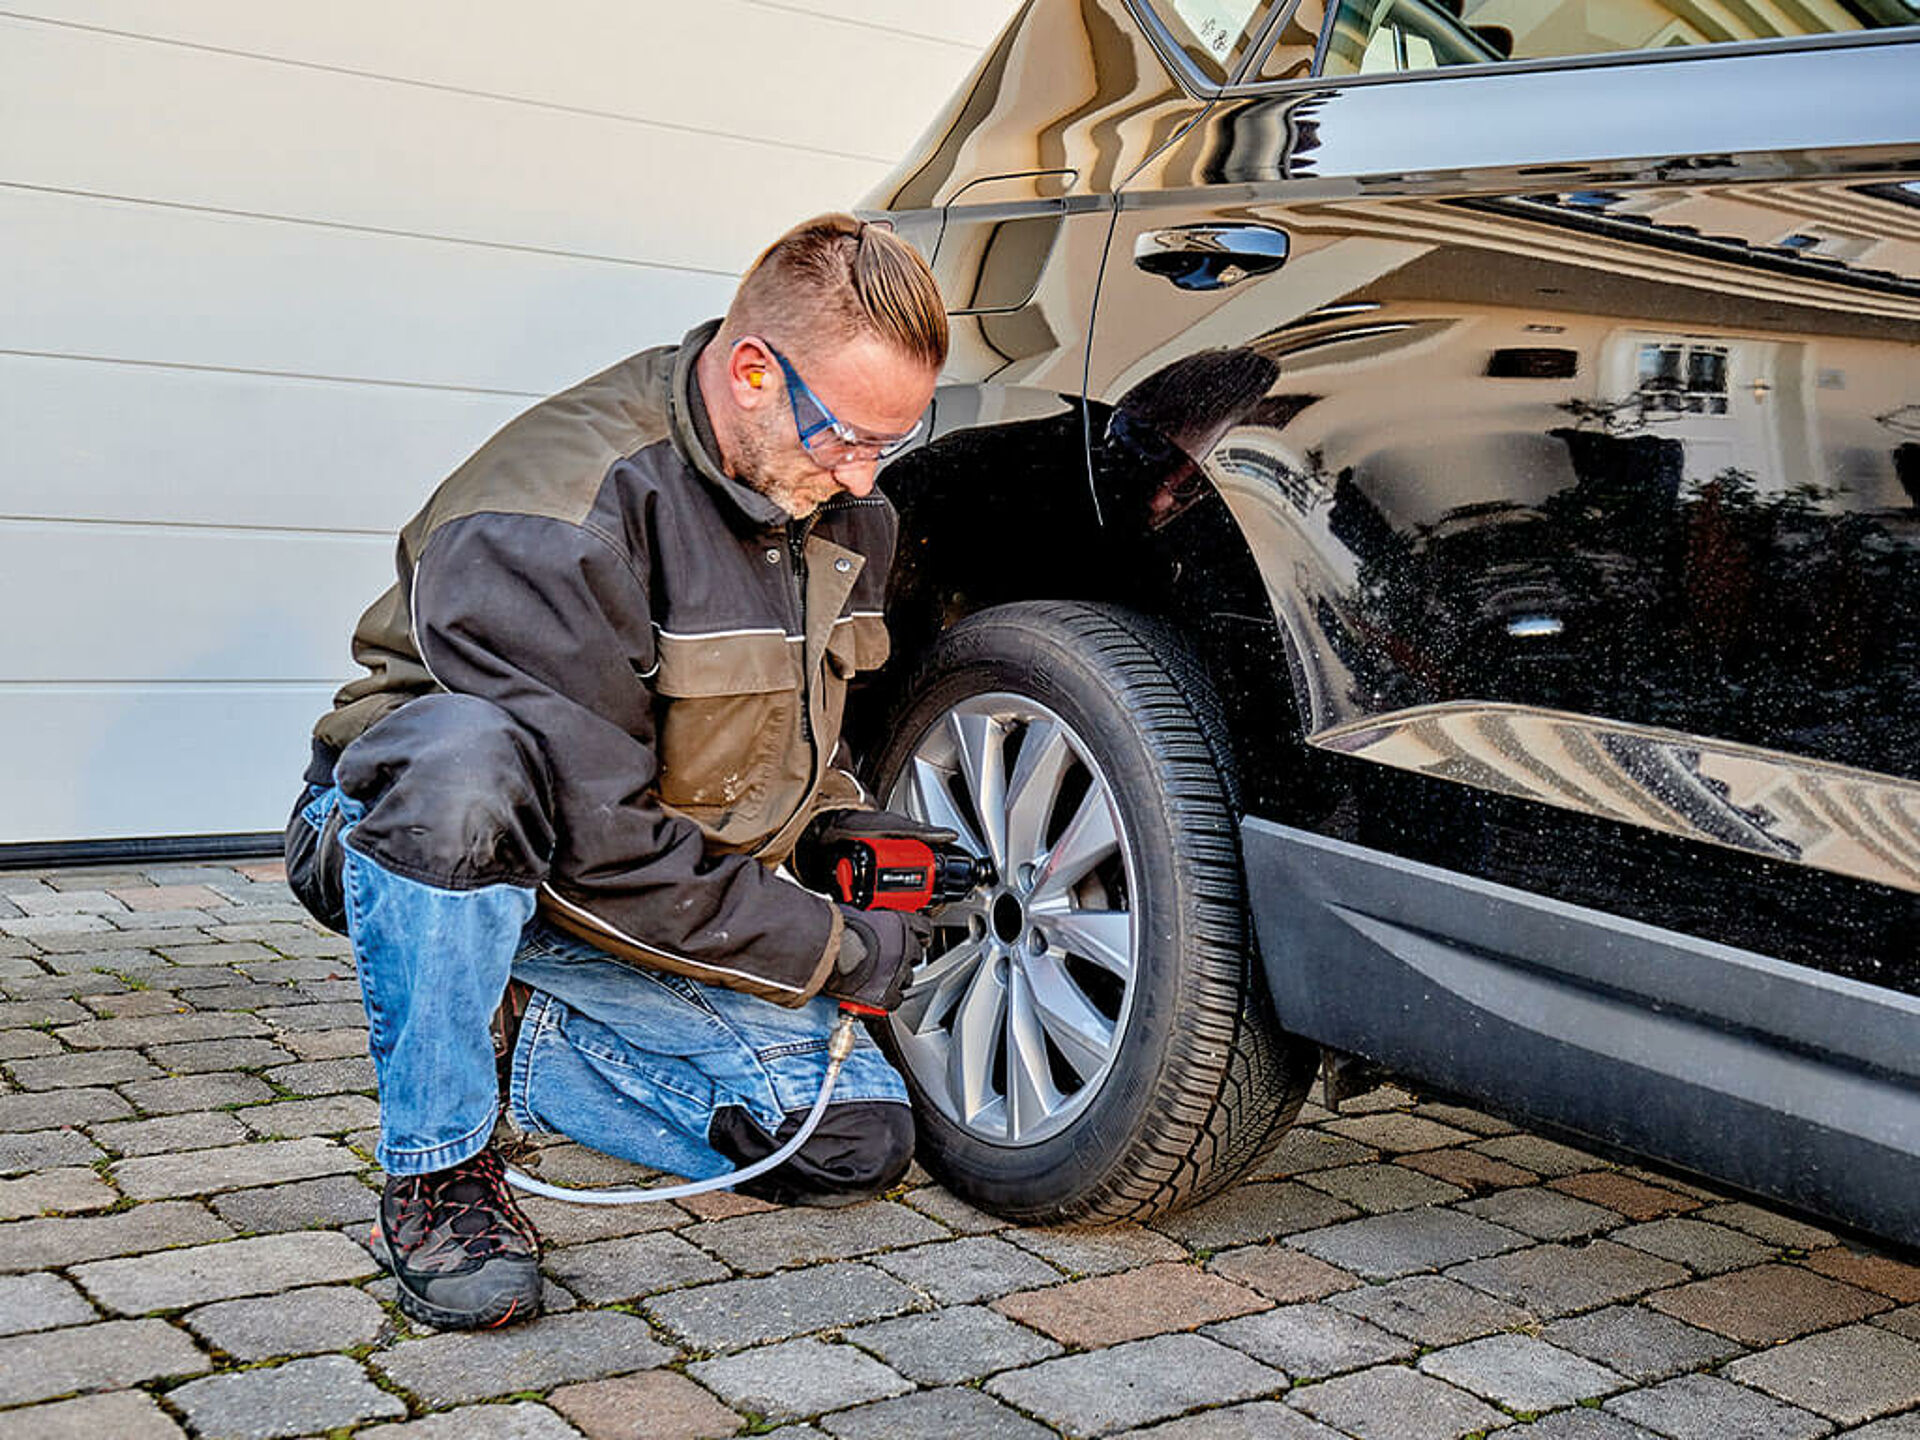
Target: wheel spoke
{"points": [[1090, 837], [937, 985], [1084, 1036], [1032, 1097], [1045, 757], [980, 743], [931, 801], [1103, 936], [977, 1023]]}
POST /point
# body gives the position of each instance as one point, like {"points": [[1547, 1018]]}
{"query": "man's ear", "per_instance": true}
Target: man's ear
{"points": [[747, 367]]}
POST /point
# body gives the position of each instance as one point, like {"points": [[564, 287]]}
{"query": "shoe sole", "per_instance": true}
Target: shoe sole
{"points": [[416, 1306]]}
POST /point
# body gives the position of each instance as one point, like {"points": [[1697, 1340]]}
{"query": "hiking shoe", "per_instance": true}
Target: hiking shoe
{"points": [[465, 1257]]}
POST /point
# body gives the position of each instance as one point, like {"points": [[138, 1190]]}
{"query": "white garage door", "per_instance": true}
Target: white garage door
{"points": [[267, 272]]}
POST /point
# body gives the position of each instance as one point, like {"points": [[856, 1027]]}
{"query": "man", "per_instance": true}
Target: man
{"points": [[602, 705]]}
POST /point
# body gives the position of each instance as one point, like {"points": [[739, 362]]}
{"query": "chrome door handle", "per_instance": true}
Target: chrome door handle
{"points": [[1210, 257]]}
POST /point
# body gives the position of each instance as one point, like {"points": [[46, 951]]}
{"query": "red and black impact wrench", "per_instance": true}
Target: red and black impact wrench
{"points": [[895, 872]]}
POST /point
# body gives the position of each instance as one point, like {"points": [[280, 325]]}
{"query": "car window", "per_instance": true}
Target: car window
{"points": [[1371, 37], [1214, 34]]}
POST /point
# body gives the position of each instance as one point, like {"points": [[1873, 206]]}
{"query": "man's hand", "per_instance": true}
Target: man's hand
{"points": [[877, 950], [812, 857]]}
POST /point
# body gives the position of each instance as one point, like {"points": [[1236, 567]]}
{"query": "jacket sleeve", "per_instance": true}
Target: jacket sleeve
{"points": [[550, 621]]}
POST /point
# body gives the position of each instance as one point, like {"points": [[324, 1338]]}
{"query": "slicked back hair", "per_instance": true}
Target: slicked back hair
{"points": [[835, 278]]}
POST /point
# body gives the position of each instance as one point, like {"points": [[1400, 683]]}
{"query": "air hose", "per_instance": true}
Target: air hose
{"points": [[839, 1047]]}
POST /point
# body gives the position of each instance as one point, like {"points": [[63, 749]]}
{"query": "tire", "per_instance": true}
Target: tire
{"points": [[1088, 1039]]}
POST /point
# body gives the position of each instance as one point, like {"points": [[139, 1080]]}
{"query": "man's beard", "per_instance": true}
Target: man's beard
{"points": [[793, 483]]}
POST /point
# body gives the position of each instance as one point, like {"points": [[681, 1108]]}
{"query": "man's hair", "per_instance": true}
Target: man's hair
{"points": [[835, 277]]}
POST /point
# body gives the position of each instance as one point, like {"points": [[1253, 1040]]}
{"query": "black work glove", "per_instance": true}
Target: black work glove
{"points": [[877, 950], [827, 832]]}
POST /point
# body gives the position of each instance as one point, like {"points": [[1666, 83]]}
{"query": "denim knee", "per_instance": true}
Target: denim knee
{"points": [[456, 794]]}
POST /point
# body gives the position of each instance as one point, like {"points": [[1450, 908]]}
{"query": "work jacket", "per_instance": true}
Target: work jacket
{"points": [[677, 648]]}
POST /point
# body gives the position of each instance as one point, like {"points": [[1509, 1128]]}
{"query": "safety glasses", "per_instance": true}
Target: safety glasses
{"points": [[826, 437]]}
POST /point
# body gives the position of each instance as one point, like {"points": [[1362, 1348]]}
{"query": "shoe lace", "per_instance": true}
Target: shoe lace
{"points": [[472, 1203]]}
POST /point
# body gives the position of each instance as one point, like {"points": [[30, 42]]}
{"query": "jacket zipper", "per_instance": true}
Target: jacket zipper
{"points": [[797, 532]]}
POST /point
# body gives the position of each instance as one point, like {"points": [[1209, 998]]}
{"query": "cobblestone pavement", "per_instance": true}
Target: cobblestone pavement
{"points": [[185, 1125]]}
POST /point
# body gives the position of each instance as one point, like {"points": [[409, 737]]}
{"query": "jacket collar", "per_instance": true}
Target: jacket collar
{"points": [[693, 434]]}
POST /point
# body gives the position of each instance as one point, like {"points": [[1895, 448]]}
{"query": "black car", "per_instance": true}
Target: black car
{"points": [[1415, 562]]}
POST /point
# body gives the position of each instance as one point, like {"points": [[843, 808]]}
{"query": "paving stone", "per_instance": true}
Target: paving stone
{"points": [[1704, 1249], [1377, 1189], [952, 1212], [636, 1265], [1901, 1322], [800, 1377], [40, 1302], [1553, 1280], [109, 1356], [299, 1322], [1398, 1134], [106, 936], [1381, 1098], [1700, 1407], [562, 1223], [47, 985], [1522, 1373], [67, 902], [1848, 1375], [1584, 1425], [1300, 1151], [196, 1092], [1881, 1273], [327, 1077], [328, 1115], [1768, 1303], [1108, 1309], [56, 1108], [132, 1003], [260, 1266], [49, 927], [93, 1067], [1468, 1169], [195, 950], [1389, 1403], [106, 959], [1431, 1310], [1463, 1118], [1258, 1210], [314, 1016], [327, 1044], [1136, 1383], [655, 1405], [722, 1205], [946, 1347], [1768, 1226], [801, 1235], [137, 1030], [736, 1313], [44, 1149], [1385, 1247], [1639, 1343], [81, 878], [233, 1167], [524, 1421], [1097, 1252], [240, 995], [325, 1393], [1282, 1274], [1531, 1152], [286, 972], [457, 1367], [934, 1415], [1900, 1427], [122, 1415], [1633, 1198], [55, 1192], [1311, 1341], [1260, 1420], [198, 1056], [27, 1044], [193, 1130], [958, 1272], [1544, 1214], [43, 1244]]}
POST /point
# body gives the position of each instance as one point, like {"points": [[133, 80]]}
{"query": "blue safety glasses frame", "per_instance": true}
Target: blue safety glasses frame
{"points": [[823, 434]]}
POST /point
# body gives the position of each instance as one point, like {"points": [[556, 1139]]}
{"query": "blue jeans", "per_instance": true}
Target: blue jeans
{"points": [[638, 1064]]}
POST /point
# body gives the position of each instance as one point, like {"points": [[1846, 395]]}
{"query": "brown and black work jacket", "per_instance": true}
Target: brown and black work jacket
{"points": [[678, 649]]}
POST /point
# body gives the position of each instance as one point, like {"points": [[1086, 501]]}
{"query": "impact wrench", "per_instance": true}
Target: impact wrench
{"points": [[871, 873]]}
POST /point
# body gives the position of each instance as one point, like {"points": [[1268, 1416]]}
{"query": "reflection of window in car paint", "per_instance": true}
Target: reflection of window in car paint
{"points": [[1213, 33], [1401, 36]]}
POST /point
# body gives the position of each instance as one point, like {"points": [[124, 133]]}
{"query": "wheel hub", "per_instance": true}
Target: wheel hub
{"points": [[1009, 917]]}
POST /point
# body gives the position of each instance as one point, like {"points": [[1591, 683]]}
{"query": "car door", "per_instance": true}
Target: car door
{"points": [[1559, 367]]}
